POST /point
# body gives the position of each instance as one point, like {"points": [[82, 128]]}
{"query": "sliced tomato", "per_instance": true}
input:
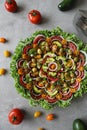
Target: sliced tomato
{"points": [[72, 46], [80, 74], [20, 63], [42, 72], [56, 38], [38, 39], [52, 79], [76, 85], [78, 64], [66, 96], [44, 60], [26, 49], [82, 58], [22, 82], [51, 99]]}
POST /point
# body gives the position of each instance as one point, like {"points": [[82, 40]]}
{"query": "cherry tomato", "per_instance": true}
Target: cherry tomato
{"points": [[2, 40], [50, 117], [11, 6], [16, 116], [37, 114], [34, 16]]}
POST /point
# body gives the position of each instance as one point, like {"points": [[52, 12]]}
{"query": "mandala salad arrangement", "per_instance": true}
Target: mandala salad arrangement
{"points": [[50, 69]]}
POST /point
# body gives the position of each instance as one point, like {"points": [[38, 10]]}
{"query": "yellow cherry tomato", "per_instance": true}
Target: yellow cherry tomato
{"points": [[7, 53], [37, 114], [2, 71]]}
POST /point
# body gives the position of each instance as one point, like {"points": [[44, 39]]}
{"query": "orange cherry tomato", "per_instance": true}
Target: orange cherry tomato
{"points": [[50, 117], [2, 40], [34, 16]]}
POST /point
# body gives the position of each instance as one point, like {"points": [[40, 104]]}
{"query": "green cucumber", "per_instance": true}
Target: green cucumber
{"points": [[66, 5], [78, 124]]}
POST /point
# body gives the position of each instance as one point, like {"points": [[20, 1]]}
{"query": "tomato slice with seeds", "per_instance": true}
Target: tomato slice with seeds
{"points": [[80, 74], [22, 81], [52, 78], [26, 49], [66, 96], [58, 38], [72, 46], [42, 72], [38, 39], [51, 99], [82, 58], [76, 85], [20, 63]]}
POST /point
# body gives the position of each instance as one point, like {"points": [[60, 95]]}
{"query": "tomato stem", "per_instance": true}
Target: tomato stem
{"points": [[33, 13], [14, 119]]}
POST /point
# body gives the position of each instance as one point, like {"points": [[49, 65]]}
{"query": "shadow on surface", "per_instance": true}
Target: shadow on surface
{"points": [[20, 8], [79, 3]]}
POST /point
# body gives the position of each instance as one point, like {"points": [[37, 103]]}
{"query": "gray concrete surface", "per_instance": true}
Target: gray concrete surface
{"points": [[15, 26]]}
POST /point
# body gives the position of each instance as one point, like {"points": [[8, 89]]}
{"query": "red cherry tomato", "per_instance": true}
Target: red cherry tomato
{"points": [[16, 116], [11, 6], [34, 16]]}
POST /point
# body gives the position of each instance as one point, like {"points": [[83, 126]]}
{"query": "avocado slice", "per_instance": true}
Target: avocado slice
{"points": [[57, 43], [36, 90], [53, 93]]}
